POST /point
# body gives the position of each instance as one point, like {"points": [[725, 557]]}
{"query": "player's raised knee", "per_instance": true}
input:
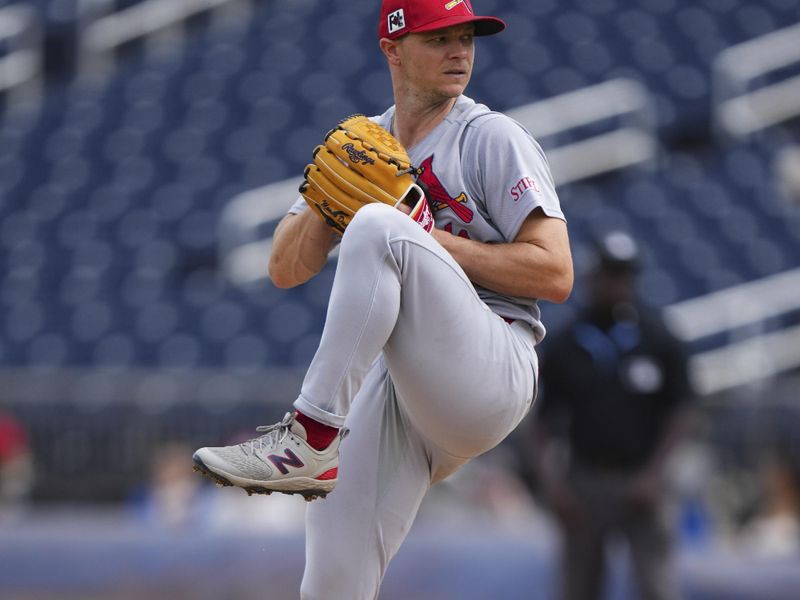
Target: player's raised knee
{"points": [[374, 215], [374, 221]]}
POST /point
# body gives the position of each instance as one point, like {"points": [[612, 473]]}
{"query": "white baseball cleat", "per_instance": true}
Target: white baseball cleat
{"points": [[280, 460]]}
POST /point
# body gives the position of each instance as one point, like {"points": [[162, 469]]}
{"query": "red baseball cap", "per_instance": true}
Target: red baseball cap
{"points": [[399, 17]]}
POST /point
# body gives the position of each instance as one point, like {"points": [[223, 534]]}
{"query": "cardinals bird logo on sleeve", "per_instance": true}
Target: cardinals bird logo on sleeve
{"points": [[438, 196]]}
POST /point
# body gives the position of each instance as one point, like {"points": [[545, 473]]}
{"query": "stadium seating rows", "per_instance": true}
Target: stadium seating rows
{"points": [[112, 192]]}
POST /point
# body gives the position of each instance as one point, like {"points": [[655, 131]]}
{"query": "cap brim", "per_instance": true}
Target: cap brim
{"points": [[483, 25]]}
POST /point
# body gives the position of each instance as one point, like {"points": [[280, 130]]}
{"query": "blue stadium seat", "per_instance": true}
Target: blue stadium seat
{"points": [[247, 351], [182, 350], [115, 350], [48, 350]]}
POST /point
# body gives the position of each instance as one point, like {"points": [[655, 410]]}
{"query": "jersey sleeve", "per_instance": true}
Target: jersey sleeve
{"points": [[512, 177]]}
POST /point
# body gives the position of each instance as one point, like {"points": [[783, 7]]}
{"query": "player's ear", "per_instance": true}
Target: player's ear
{"points": [[391, 50]]}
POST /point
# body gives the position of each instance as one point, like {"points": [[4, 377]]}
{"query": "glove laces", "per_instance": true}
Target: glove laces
{"points": [[409, 170]]}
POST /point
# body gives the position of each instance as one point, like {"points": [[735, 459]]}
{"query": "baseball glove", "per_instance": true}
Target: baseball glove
{"points": [[360, 163]]}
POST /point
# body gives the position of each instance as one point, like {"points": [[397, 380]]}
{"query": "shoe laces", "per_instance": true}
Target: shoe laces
{"points": [[272, 435]]}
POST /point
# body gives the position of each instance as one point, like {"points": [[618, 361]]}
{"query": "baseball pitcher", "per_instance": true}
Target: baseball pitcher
{"points": [[449, 230]]}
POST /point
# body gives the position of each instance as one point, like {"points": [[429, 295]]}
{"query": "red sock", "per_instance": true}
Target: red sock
{"points": [[319, 435]]}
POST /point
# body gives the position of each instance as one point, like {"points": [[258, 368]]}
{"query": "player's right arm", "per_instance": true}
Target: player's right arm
{"points": [[300, 247]]}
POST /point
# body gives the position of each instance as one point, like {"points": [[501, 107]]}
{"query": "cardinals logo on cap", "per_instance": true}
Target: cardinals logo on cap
{"points": [[397, 21], [453, 3]]}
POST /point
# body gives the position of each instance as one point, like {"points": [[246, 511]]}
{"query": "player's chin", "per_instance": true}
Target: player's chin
{"points": [[453, 89]]}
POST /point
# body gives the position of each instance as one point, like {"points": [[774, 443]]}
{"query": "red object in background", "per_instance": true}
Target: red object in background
{"points": [[13, 439]]}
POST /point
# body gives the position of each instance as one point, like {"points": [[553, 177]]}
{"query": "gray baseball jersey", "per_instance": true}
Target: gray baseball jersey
{"points": [[484, 174]]}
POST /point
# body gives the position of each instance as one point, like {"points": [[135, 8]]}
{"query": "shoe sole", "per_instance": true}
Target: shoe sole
{"points": [[251, 488]]}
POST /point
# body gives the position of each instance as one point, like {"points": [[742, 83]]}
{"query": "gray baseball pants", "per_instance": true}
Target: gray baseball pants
{"points": [[426, 377]]}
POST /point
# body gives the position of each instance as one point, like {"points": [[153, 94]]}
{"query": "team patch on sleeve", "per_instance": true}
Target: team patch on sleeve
{"points": [[523, 185]]}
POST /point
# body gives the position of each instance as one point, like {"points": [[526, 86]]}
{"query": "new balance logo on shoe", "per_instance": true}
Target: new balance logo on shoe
{"points": [[290, 460]]}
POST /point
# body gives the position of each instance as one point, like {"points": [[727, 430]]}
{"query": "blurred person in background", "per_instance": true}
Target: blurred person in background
{"points": [[615, 392], [774, 531], [16, 466], [172, 497]]}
